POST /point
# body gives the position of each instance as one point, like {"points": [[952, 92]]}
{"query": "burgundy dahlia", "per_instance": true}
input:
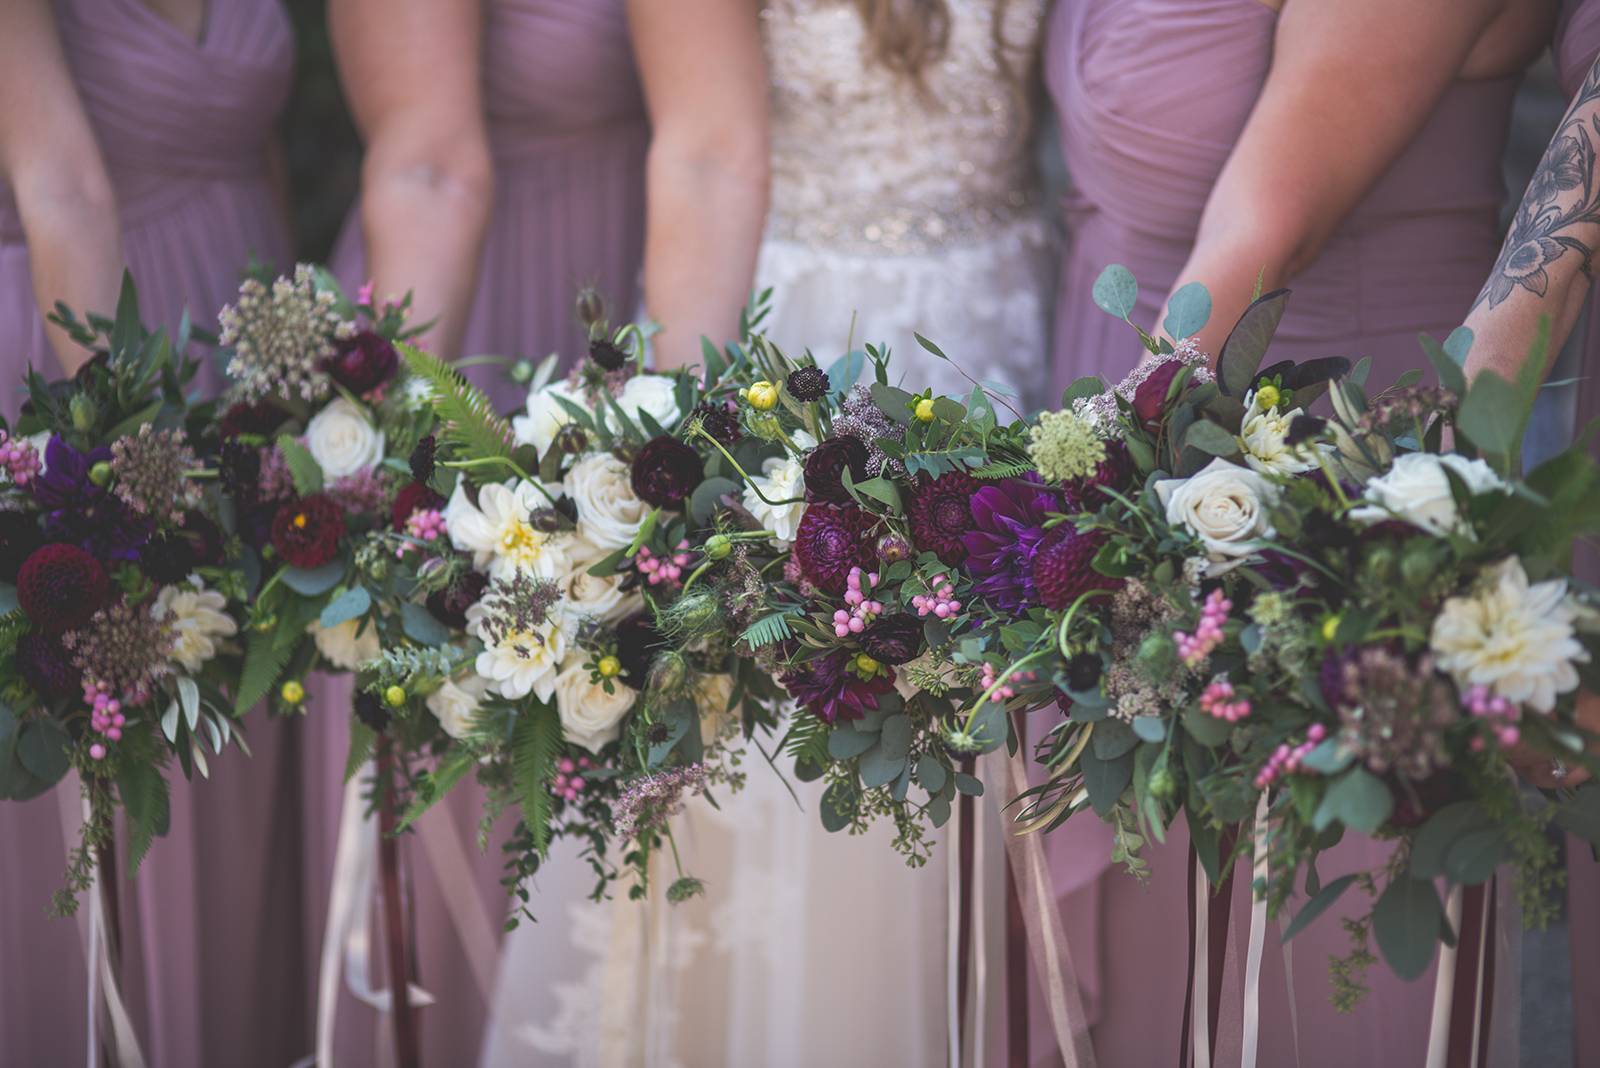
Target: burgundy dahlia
{"points": [[831, 539], [1007, 531], [60, 587], [363, 362], [825, 466], [1063, 567], [831, 692], [808, 384], [940, 513], [666, 471], [412, 497], [306, 532], [19, 537], [449, 605], [47, 667], [893, 639]]}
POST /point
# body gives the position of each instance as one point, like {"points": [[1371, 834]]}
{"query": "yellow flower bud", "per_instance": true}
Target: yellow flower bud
{"points": [[866, 665], [1268, 397], [1330, 627], [609, 667], [763, 396], [924, 410], [395, 696], [292, 692]]}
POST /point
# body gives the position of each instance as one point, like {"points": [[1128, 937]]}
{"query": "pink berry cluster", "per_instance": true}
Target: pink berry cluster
{"points": [[1217, 700], [860, 609], [1286, 759], [1194, 648], [1498, 714], [1007, 691], [663, 569], [938, 601], [19, 458], [424, 524], [568, 782], [105, 716]]}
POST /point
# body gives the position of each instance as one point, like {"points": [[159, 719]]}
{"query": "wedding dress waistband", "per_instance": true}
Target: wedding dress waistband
{"points": [[910, 228]]}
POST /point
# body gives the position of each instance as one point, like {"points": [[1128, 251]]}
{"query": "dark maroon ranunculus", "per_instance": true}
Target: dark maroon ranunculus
{"points": [[306, 532], [363, 362], [831, 539], [60, 586], [1150, 397], [893, 639], [171, 556], [825, 466], [940, 513], [412, 496], [666, 471], [449, 605], [1063, 567]]}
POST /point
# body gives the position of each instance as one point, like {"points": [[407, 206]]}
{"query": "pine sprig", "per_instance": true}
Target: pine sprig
{"points": [[262, 665], [535, 741], [467, 419]]}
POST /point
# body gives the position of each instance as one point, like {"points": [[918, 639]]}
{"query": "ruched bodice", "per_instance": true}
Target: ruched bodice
{"points": [[1151, 96]]}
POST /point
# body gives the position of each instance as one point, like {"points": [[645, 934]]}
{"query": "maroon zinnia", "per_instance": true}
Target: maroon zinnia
{"points": [[306, 532], [1062, 568], [665, 472], [363, 362], [831, 692], [411, 498], [831, 539], [60, 587], [825, 466], [1007, 530], [940, 512]]}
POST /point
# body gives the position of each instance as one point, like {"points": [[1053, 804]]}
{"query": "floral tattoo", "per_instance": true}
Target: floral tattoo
{"points": [[1562, 197]]}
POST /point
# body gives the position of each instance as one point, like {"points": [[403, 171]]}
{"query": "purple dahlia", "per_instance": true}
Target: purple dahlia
{"points": [[1063, 566], [831, 539], [77, 510], [831, 691], [940, 514], [1007, 531]]}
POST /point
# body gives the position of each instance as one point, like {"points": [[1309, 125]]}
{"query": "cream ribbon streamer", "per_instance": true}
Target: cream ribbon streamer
{"points": [[1258, 936], [1444, 984], [1047, 943]]}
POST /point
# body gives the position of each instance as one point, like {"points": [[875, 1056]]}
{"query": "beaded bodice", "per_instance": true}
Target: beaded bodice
{"points": [[866, 159]]}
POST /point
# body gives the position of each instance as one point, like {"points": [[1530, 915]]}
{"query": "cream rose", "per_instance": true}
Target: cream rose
{"points": [[1417, 490], [586, 596], [609, 514], [342, 646], [545, 416], [457, 701], [656, 394], [1224, 506], [590, 717], [343, 440]]}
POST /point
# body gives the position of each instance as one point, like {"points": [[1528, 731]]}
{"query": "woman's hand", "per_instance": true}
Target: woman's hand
{"points": [[1548, 774]]}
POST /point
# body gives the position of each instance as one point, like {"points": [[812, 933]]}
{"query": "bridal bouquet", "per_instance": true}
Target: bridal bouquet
{"points": [[119, 587], [1327, 624]]}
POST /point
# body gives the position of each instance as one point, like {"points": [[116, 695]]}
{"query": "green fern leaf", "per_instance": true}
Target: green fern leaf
{"points": [[535, 743], [145, 798], [262, 666], [432, 786], [767, 630], [363, 739], [303, 468], [998, 469], [467, 419]]}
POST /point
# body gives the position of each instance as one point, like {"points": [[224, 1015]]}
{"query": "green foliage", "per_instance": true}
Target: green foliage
{"points": [[431, 786], [535, 742], [467, 418], [303, 467], [144, 793], [767, 630], [264, 661]]}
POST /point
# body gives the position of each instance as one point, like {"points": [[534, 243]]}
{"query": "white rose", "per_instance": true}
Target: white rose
{"points": [[589, 596], [342, 647], [1224, 506], [782, 478], [342, 440], [1415, 489], [609, 514], [1264, 441], [456, 702], [590, 717], [545, 416], [656, 394], [196, 617]]}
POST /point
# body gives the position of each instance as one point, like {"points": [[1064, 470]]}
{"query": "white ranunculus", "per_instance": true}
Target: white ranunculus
{"points": [[1415, 489], [456, 702], [1264, 442], [196, 617], [782, 478], [656, 394], [342, 646], [498, 533], [518, 662], [1224, 505], [1515, 638], [609, 513], [590, 717], [545, 416], [343, 440], [589, 596]]}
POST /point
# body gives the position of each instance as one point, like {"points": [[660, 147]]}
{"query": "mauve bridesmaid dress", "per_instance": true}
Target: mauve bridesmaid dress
{"points": [[212, 968], [568, 133], [1151, 96]]}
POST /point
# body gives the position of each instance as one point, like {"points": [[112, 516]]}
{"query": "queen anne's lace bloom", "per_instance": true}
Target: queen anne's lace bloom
{"points": [[151, 469], [1064, 447], [281, 335]]}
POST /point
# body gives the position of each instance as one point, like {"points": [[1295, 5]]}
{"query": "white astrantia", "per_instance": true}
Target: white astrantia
{"points": [[342, 439], [196, 618], [656, 394], [609, 512], [516, 663], [590, 716], [545, 415], [456, 702], [497, 531], [599, 598], [347, 646], [1264, 440], [1225, 506], [782, 478], [1417, 490], [1514, 637]]}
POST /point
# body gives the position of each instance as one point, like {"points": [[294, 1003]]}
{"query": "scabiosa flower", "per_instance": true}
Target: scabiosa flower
{"points": [[894, 639], [449, 605], [665, 472], [940, 514], [1008, 528], [171, 556], [826, 464], [123, 649], [306, 532], [281, 337], [863, 420], [47, 667], [831, 539], [19, 537], [151, 469], [808, 384], [1064, 447], [370, 710], [721, 421], [60, 587], [422, 458], [1063, 568], [239, 469], [832, 692], [413, 496], [362, 362]]}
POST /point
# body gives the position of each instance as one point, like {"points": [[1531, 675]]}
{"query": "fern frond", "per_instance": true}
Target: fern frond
{"points": [[767, 630], [363, 739], [262, 666], [807, 740], [467, 419], [535, 741], [144, 794], [998, 469]]}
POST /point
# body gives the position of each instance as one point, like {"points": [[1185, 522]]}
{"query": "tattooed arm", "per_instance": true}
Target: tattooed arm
{"points": [[1545, 266]]}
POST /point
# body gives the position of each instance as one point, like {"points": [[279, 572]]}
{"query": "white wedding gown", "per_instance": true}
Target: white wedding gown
{"points": [[916, 209]]}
